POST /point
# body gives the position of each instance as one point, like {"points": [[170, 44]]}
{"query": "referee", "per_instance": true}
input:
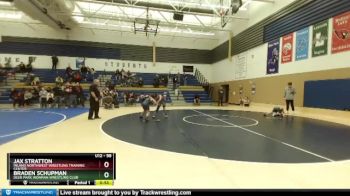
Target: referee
{"points": [[95, 97]]}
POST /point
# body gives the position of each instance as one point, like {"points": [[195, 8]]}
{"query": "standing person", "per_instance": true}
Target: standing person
{"points": [[221, 96], [54, 62], [177, 93], [95, 97], [15, 96], [145, 103], [161, 101], [289, 93], [175, 80]]}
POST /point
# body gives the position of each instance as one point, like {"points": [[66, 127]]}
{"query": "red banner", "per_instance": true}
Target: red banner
{"points": [[341, 33], [287, 48]]}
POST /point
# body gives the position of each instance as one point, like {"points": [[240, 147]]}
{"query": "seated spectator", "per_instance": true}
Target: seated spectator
{"points": [[84, 72], [77, 77], [124, 74], [118, 75], [107, 99], [128, 74], [91, 74], [21, 97], [131, 98], [50, 98], [43, 97], [15, 96], [59, 81], [69, 72], [156, 82], [36, 81], [29, 79], [35, 92], [115, 97], [197, 100], [166, 81], [29, 68], [28, 96], [125, 97], [246, 101], [58, 95], [108, 84], [140, 82], [8, 64], [68, 90], [22, 67], [78, 90]]}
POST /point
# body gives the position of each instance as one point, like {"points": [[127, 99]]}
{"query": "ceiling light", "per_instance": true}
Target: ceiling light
{"points": [[5, 3], [10, 15]]}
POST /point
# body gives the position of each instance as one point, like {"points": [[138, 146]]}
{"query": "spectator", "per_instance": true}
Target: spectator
{"points": [[59, 80], [246, 101], [84, 72], [54, 62], [175, 81], [289, 93], [115, 97], [123, 74], [8, 64], [22, 67], [177, 94], [43, 97], [197, 100], [29, 67], [131, 98], [80, 94], [140, 82], [68, 90], [77, 76], [156, 81], [69, 72], [36, 81], [15, 96], [166, 80], [94, 100], [58, 95], [221, 96], [28, 96], [92, 73], [50, 98], [118, 75], [128, 74]]}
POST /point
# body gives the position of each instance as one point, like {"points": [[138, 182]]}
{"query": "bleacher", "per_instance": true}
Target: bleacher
{"points": [[5, 96], [47, 78], [190, 91]]}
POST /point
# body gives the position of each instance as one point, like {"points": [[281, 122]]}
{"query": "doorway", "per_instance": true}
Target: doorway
{"points": [[226, 89]]}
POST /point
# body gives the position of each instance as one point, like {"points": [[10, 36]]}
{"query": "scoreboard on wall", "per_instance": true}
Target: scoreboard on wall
{"points": [[61, 169]]}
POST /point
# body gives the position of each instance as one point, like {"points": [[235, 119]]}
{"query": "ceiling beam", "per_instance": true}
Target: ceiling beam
{"points": [[159, 9], [162, 6]]}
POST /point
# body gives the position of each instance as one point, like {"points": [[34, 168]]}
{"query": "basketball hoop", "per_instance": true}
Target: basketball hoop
{"points": [[146, 25]]}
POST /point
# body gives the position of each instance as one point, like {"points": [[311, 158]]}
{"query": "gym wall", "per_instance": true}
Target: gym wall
{"points": [[270, 90]]}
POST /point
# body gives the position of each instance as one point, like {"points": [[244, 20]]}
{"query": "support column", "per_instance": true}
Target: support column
{"points": [[154, 54], [229, 56]]}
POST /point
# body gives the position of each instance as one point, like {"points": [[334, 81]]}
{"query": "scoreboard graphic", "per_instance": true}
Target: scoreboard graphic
{"points": [[61, 169]]}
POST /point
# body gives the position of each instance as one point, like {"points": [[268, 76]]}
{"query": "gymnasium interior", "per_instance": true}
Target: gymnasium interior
{"points": [[217, 69]]}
